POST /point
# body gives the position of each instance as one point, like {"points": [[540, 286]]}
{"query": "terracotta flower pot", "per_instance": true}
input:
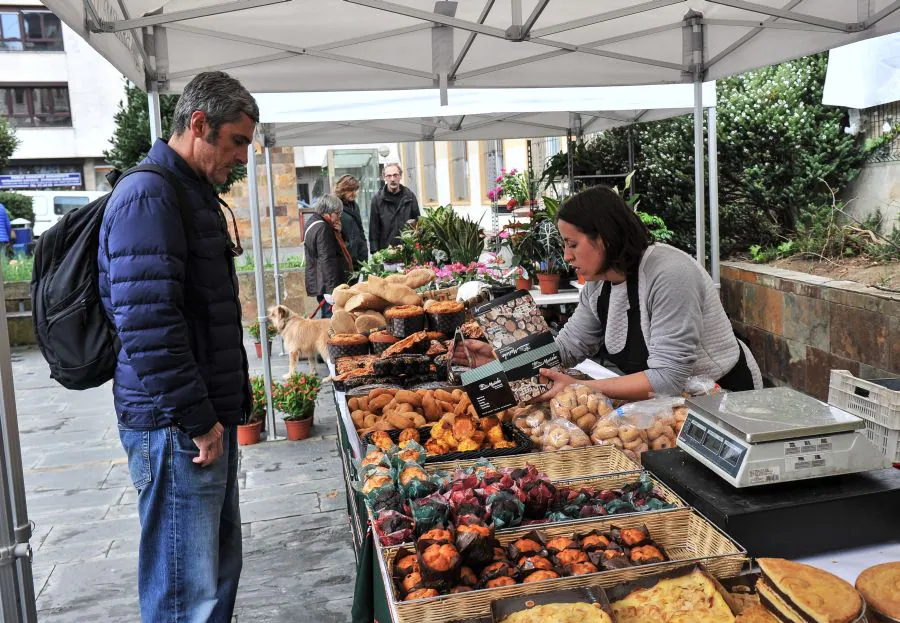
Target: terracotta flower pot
{"points": [[259, 349], [523, 283], [298, 429], [549, 283], [248, 434]]}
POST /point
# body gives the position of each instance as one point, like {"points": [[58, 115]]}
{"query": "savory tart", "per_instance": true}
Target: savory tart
{"points": [[560, 613], [692, 597], [880, 587], [809, 593]]}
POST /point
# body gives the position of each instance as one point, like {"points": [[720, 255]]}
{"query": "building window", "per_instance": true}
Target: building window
{"points": [[31, 30], [491, 163], [459, 171], [429, 174], [410, 167], [36, 107]]}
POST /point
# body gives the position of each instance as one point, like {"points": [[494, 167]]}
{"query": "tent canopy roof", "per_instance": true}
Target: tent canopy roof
{"points": [[325, 45], [384, 116], [864, 74]]}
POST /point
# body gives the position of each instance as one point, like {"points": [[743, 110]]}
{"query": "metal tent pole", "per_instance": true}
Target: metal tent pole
{"points": [[16, 581], [260, 285], [273, 220], [154, 112], [713, 196], [696, 34]]}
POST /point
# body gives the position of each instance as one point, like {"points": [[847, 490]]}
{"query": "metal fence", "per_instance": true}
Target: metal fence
{"points": [[878, 121]]}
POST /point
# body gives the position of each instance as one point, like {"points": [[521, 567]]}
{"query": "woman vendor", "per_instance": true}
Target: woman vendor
{"points": [[649, 309]]}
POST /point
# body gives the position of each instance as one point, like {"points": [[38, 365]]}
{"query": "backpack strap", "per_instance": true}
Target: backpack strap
{"points": [[174, 182]]}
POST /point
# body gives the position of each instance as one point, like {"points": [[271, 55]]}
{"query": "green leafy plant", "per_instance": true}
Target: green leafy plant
{"points": [[777, 141], [258, 393], [296, 397], [457, 237], [18, 269], [9, 142], [17, 205], [519, 187], [254, 331]]}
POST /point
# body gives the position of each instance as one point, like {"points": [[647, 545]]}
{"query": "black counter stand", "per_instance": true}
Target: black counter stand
{"points": [[792, 519]]}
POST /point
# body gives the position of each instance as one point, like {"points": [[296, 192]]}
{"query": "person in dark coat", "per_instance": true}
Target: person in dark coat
{"points": [[347, 189], [328, 262], [392, 208], [181, 387]]}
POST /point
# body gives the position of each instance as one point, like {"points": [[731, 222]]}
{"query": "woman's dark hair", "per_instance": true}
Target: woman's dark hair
{"points": [[599, 212]]}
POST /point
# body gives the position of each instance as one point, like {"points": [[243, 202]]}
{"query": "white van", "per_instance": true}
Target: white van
{"points": [[50, 205]]}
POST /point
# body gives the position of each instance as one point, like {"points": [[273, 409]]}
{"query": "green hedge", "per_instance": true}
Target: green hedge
{"points": [[18, 206]]}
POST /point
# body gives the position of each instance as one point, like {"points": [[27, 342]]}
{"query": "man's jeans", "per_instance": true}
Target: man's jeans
{"points": [[190, 552]]}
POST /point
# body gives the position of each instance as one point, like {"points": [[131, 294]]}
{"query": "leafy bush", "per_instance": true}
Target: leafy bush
{"points": [[18, 205], [777, 143]]}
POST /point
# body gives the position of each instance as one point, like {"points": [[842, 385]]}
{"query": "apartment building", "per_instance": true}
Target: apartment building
{"points": [[61, 96]]}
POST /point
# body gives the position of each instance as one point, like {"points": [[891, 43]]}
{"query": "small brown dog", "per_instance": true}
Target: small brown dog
{"points": [[301, 336]]}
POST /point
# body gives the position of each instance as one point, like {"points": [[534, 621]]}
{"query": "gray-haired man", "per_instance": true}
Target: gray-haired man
{"points": [[168, 285], [391, 209]]}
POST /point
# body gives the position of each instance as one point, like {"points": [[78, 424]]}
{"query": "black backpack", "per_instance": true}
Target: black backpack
{"points": [[70, 324]]}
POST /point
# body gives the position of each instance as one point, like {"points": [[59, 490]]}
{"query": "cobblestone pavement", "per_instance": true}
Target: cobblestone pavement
{"points": [[298, 560]]}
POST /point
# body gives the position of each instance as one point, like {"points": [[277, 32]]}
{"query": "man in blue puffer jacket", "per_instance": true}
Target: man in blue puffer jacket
{"points": [[181, 383]]}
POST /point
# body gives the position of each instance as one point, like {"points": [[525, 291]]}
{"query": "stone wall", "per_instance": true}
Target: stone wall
{"points": [[801, 326], [286, 210], [18, 312], [293, 294]]}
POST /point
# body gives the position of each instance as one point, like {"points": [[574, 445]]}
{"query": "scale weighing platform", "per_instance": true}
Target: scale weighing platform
{"points": [[775, 435]]}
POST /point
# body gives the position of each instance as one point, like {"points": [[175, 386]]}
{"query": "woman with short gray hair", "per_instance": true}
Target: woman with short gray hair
{"points": [[328, 262]]}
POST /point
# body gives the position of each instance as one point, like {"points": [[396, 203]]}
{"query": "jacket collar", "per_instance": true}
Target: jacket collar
{"points": [[165, 156]]}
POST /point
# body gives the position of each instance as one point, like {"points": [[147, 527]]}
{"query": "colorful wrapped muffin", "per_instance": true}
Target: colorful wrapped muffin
{"points": [[404, 320], [381, 341], [446, 316], [347, 345]]}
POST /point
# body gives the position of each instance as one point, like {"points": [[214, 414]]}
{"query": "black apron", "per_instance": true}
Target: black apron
{"points": [[633, 358]]}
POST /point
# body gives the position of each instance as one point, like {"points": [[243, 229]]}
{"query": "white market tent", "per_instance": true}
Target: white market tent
{"points": [[864, 74], [326, 45], [303, 119]]}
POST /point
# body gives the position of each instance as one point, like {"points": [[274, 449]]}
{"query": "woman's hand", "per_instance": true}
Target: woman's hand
{"points": [[479, 353], [559, 380]]}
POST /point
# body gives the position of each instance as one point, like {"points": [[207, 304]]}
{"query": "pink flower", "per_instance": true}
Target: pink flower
{"points": [[491, 195], [513, 172], [504, 234], [499, 179], [503, 171]]}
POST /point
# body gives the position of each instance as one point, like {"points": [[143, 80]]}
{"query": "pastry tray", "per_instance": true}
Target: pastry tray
{"points": [[510, 432], [686, 536]]}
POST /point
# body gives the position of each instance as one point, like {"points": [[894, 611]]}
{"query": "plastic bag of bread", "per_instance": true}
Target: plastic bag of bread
{"points": [[580, 405], [561, 434], [531, 420], [636, 427]]}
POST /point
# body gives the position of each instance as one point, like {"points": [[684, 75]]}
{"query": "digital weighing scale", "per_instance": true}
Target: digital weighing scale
{"points": [[773, 435]]}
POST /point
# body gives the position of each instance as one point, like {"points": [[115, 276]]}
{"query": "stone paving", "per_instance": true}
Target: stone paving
{"points": [[298, 558]]}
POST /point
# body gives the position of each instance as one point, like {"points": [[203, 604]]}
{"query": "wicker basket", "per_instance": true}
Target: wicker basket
{"points": [[560, 464], [686, 536]]}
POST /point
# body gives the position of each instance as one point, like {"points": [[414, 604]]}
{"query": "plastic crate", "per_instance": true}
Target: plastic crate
{"points": [[876, 404], [870, 401]]}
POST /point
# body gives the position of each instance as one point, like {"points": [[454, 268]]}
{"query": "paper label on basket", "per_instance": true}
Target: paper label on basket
{"points": [[764, 475]]}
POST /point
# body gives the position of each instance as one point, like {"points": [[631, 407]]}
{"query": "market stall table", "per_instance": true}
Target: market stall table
{"points": [[373, 598]]}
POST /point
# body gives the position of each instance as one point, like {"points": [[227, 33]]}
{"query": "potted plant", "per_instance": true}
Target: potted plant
{"points": [[552, 263], [296, 399], [254, 331], [249, 430], [518, 187]]}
